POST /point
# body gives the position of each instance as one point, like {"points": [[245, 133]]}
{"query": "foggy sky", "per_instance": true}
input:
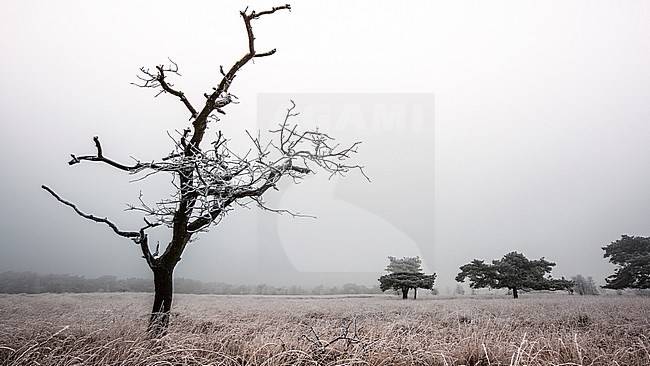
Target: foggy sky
{"points": [[534, 133]]}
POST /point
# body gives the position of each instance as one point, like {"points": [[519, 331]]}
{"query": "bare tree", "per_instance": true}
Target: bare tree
{"points": [[584, 285], [210, 181]]}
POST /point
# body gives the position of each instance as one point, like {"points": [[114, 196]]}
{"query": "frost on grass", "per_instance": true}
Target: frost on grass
{"points": [[231, 330]]}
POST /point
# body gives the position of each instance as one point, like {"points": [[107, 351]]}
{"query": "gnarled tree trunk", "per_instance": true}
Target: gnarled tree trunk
{"points": [[405, 293], [162, 303], [514, 293]]}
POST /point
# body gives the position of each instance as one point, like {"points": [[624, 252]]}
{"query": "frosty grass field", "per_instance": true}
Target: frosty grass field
{"points": [[537, 329]]}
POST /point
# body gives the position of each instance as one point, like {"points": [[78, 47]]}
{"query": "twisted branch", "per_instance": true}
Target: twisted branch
{"points": [[136, 236], [139, 237], [158, 80], [101, 158]]}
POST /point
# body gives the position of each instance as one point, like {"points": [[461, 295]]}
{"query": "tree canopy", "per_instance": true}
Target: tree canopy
{"points": [[515, 272], [632, 256], [405, 264], [406, 274]]}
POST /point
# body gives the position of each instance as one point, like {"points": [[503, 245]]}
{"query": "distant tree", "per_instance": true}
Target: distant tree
{"points": [[353, 288], [584, 285], [459, 289], [631, 255], [515, 272], [405, 281], [318, 290], [208, 179], [333, 290], [406, 274], [106, 284]]}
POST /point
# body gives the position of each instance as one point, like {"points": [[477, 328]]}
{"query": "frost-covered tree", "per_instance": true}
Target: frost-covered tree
{"points": [[404, 264], [515, 272], [406, 274], [584, 285], [631, 255], [208, 178]]}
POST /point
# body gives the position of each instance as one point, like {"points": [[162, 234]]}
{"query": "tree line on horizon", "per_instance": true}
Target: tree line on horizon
{"points": [[34, 283]]}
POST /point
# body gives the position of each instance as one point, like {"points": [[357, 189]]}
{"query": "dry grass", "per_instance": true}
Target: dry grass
{"points": [[108, 329]]}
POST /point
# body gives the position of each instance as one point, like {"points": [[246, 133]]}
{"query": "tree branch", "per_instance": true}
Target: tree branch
{"points": [[151, 80], [144, 246], [166, 87], [220, 97], [100, 157], [223, 178], [255, 15], [137, 236]]}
